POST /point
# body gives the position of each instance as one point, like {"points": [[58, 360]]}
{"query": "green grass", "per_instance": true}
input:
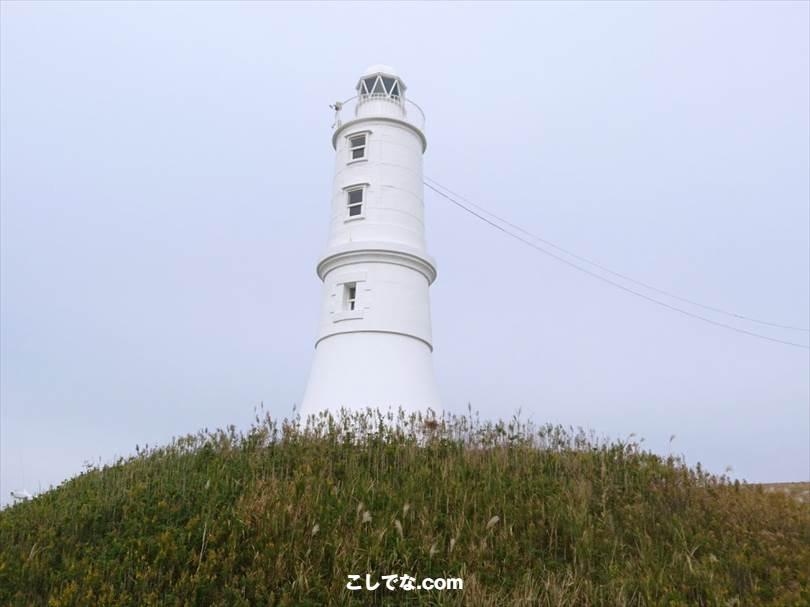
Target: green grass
{"points": [[283, 513]]}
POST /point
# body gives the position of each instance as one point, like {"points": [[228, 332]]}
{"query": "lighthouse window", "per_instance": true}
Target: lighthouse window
{"points": [[355, 202], [350, 289], [380, 86], [369, 84], [357, 146]]}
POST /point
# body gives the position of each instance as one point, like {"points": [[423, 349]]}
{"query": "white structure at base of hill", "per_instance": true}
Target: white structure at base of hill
{"points": [[374, 345]]}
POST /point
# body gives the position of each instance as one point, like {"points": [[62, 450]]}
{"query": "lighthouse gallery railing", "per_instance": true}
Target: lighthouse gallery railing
{"points": [[347, 110]]}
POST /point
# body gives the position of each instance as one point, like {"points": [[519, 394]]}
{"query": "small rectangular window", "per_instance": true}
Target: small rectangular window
{"points": [[350, 295], [357, 147], [354, 202]]}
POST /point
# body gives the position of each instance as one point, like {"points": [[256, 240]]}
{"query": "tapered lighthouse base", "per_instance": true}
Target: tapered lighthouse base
{"points": [[371, 369]]}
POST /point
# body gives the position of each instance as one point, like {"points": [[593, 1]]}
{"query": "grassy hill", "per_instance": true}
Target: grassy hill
{"points": [[285, 512]]}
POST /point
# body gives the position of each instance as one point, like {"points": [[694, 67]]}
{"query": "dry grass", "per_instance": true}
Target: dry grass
{"points": [[798, 491], [525, 515]]}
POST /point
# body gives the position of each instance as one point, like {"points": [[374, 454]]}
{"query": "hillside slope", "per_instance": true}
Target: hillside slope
{"points": [[284, 513]]}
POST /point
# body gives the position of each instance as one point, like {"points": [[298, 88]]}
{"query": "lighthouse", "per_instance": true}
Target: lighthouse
{"points": [[374, 346]]}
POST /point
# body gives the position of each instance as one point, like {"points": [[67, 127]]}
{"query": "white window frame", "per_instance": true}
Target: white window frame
{"points": [[340, 306], [357, 187], [352, 148], [349, 296]]}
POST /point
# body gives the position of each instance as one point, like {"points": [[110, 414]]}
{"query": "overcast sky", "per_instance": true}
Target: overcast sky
{"points": [[166, 174]]}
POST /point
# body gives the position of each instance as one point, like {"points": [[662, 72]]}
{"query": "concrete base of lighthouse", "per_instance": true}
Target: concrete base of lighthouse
{"points": [[364, 369]]}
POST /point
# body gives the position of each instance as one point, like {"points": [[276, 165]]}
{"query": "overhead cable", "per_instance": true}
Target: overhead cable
{"points": [[613, 272], [608, 280]]}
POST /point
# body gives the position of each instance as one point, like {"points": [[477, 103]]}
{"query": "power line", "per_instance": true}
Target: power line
{"points": [[613, 272], [609, 281]]}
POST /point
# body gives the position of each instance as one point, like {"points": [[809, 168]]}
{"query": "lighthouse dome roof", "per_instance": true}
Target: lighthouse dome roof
{"points": [[379, 68]]}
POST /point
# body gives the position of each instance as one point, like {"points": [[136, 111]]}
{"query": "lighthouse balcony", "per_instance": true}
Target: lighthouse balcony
{"points": [[379, 105]]}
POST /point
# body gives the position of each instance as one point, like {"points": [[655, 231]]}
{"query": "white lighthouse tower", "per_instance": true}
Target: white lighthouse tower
{"points": [[374, 345]]}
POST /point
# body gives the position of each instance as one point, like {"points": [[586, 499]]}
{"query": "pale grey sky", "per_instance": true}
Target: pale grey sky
{"points": [[165, 186]]}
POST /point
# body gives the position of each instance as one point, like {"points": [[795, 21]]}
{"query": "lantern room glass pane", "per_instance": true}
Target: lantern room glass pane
{"points": [[378, 88], [369, 82], [394, 90], [389, 84]]}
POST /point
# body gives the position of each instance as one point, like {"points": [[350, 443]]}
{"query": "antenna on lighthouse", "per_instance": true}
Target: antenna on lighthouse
{"points": [[337, 106]]}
